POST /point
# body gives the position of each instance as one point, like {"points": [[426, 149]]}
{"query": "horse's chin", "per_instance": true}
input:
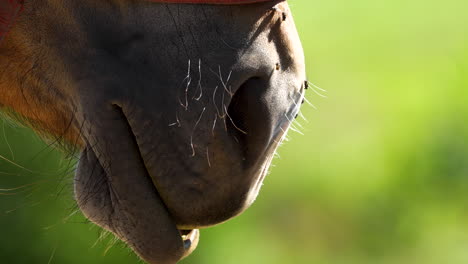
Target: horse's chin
{"points": [[130, 207], [121, 196]]}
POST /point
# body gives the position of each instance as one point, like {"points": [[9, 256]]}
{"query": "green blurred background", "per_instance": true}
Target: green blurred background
{"points": [[379, 176]]}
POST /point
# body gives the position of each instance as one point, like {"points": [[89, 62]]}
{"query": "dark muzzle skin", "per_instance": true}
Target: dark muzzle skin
{"points": [[178, 108]]}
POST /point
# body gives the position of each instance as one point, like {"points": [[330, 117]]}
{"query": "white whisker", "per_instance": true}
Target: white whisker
{"points": [[299, 124], [214, 101], [208, 157], [214, 124], [193, 131], [232, 121], [319, 94], [303, 117], [189, 80], [296, 130], [224, 106], [309, 103], [320, 89], [199, 86], [177, 122]]}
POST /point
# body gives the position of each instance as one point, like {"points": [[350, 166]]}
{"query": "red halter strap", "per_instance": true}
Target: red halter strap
{"points": [[10, 9], [214, 2]]}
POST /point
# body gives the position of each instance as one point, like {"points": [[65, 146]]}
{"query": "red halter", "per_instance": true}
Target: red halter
{"points": [[9, 9], [215, 2]]}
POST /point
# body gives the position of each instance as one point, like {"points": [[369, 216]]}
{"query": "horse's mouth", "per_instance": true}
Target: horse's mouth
{"points": [[120, 189]]}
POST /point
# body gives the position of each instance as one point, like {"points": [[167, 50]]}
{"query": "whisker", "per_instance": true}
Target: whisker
{"points": [[303, 117], [320, 89], [33, 188], [199, 82], [65, 219], [214, 124], [291, 126], [232, 121], [22, 186], [309, 103], [296, 130], [102, 235], [193, 131], [111, 243], [52, 255], [299, 124], [224, 83], [284, 137], [208, 157], [214, 101], [319, 94], [177, 121], [222, 103], [15, 164], [189, 81], [9, 173]]}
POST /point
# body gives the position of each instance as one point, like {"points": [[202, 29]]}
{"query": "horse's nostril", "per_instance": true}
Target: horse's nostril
{"points": [[249, 118], [238, 114]]}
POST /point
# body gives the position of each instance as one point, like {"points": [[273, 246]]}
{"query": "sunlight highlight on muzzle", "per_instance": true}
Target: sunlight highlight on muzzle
{"points": [[10, 9]]}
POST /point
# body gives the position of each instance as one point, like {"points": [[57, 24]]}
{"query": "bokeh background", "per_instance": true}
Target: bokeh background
{"points": [[379, 176]]}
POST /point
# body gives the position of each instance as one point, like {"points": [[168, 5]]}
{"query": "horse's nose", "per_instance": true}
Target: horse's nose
{"points": [[264, 106]]}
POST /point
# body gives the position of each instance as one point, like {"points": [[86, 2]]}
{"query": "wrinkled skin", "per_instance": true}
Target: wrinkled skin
{"points": [[177, 108]]}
